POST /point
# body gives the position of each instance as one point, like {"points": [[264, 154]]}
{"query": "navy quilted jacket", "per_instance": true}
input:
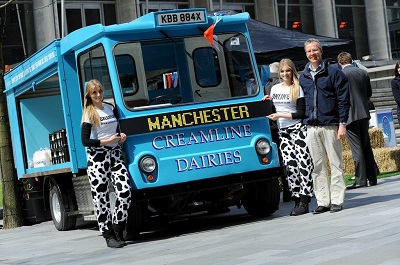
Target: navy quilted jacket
{"points": [[327, 96]]}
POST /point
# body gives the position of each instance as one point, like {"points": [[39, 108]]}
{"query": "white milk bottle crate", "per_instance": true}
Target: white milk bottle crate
{"points": [[42, 158]]}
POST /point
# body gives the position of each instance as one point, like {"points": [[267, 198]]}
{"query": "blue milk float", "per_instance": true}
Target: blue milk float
{"points": [[189, 102]]}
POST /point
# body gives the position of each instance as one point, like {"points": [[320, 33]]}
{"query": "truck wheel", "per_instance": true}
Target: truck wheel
{"points": [[262, 198], [135, 220], [60, 217]]}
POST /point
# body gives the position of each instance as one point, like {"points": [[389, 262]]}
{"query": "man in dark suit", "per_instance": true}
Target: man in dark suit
{"points": [[358, 123]]}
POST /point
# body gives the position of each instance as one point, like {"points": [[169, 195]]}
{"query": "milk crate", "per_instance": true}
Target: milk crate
{"points": [[60, 155], [59, 147], [58, 139]]}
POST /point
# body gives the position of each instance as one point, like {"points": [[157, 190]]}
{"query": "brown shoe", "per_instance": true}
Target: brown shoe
{"points": [[113, 243], [336, 208], [321, 209], [302, 208]]}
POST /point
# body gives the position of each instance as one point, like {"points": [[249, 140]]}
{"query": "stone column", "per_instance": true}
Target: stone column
{"points": [[30, 31], [45, 30], [201, 4], [378, 30], [325, 18], [267, 11], [126, 10]]}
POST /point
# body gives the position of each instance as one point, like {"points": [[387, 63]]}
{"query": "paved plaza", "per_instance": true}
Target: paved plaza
{"points": [[366, 232]]}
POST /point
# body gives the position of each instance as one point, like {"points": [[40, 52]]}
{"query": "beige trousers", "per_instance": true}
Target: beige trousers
{"points": [[323, 145]]}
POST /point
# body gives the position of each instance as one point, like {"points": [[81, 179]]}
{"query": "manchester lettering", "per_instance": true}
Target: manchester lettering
{"points": [[197, 117]]}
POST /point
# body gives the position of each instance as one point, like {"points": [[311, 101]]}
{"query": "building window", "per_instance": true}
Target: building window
{"points": [[296, 15], [81, 15], [74, 19], [146, 7], [238, 6], [393, 11], [350, 16], [393, 18], [13, 17], [236, 1], [110, 17], [13, 48]]}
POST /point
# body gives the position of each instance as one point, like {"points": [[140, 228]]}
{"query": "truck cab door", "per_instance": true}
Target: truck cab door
{"points": [[207, 70], [131, 73]]}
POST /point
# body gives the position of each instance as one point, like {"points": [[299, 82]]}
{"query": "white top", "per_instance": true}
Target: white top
{"points": [[108, 126], [280, 94]]}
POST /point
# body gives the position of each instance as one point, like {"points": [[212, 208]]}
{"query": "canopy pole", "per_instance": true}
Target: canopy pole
{"points": [[286, 13], [20, 30]]}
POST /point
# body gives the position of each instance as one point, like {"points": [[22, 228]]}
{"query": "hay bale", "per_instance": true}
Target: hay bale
{"points": [[387, 159], [376, 139], [348, 162], [345, 144]]}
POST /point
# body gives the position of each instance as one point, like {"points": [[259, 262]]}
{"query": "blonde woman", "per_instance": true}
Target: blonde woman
{"points": [[102, 140], [288, 100]]}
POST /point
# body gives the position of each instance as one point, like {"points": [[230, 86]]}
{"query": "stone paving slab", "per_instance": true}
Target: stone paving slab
{"points": [[366, 232]]}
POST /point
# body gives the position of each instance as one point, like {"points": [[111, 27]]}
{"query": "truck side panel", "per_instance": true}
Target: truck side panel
{"points": [[39, 105]]}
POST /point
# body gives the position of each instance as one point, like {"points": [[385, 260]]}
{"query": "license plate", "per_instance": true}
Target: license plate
{"points": [[181, 18]]}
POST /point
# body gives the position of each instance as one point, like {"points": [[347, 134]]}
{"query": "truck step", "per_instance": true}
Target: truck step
{"points": [[82, 193], [89, 217]]}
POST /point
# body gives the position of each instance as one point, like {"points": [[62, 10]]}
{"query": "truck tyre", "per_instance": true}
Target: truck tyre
{"points": [[134, 222], [262, 198], [62, 221]]}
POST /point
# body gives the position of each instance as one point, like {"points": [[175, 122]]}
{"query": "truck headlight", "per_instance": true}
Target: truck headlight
{"points": [[263, 147], [147, 164]]}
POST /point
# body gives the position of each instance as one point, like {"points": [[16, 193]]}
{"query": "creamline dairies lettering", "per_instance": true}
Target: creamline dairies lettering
{"points": [[213, 135]]}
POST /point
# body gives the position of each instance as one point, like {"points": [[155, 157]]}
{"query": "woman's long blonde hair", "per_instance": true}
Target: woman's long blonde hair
{"points": [[295, 86], [89, 109]]}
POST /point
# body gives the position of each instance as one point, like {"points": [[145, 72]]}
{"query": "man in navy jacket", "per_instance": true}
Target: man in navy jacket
{"points": [[326, 92]]}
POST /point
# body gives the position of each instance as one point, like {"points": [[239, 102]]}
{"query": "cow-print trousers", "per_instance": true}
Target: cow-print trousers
{"points": [[297, 159], [106, 165]]}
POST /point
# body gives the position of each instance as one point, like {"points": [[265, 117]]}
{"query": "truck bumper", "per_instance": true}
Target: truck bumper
{"points": [[208, 184]]}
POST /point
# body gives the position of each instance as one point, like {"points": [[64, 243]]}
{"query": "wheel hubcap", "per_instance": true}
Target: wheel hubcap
{"points": [[56, 207]]}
